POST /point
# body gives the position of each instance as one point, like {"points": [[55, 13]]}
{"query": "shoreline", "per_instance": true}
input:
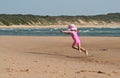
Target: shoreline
{"points": [[60, 26]]}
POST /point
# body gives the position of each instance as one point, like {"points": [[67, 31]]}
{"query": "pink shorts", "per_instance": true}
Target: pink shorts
{"points": [[76, 42]]}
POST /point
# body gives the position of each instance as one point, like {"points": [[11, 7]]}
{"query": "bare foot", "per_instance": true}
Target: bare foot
{"points": [[79, 51], [86, 52]]}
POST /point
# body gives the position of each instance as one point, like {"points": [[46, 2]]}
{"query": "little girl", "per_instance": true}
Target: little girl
{"points": [[73, 31]]}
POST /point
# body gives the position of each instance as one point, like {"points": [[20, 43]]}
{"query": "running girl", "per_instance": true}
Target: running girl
{"points": [[73, 31]]}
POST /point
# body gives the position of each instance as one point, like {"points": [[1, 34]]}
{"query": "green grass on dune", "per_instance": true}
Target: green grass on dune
{"points": [[19, 19]]}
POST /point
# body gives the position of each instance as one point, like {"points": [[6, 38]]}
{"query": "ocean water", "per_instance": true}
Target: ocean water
{"points": [[109, 32]]}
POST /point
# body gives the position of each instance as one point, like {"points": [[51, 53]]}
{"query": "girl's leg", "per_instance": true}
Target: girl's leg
{"points": [[79, 47], [85, 51], [73, 46], [82, 49]]}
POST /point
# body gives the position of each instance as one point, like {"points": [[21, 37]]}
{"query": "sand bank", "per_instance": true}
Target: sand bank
{"points": [[59, 26]]}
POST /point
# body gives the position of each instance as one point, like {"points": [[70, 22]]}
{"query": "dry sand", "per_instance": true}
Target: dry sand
{"points": [[53, 57], [58, 26]]}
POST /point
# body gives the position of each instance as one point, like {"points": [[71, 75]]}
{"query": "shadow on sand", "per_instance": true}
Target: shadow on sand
{"points": [[87, 58]]}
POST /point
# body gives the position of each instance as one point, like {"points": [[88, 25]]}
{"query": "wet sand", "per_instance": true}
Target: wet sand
{"points": [[53, 57]]}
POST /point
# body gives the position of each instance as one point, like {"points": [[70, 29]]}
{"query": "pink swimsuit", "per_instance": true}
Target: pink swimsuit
{"points": [[75, 37]]}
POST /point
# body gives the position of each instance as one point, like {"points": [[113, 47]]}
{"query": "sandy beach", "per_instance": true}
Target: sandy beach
{"points": [[59, 26], [53, 57]]}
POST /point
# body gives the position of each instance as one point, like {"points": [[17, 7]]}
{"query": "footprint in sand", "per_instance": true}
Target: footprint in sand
{"points": [[103, 49], [114, 72], [99, 72], [12, 71]]}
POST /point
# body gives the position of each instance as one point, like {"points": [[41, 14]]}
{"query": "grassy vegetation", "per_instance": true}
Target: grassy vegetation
{"points": [[18, 19]]}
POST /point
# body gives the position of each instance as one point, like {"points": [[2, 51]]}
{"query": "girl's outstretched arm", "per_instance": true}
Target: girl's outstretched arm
{"points": [[65, 31]]}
